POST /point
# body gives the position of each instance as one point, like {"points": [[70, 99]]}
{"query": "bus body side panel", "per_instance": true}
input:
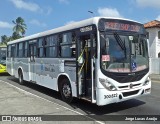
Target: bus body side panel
{"points": [[70, 70], [8, 64], [25, 69], [21, 63], [15, 67], [47, 71]]}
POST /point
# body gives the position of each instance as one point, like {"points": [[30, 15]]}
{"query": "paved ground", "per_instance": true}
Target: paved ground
{"points": [[15, 101], [21, 101], [155, 77]]}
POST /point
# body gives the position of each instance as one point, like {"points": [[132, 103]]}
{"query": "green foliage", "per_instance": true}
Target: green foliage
{"points": [[15, 36], [20, 27], [19, 31], [4, 39]]}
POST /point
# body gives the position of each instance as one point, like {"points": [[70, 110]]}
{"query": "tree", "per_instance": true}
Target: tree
{"points": [[15, 36], [18, 31], [4, 39], [20, 27]]}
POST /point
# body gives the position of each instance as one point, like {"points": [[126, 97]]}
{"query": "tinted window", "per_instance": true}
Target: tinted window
{"points": [[25, 49], [20, 50], [68, 45], [40, 47], [51, 47]]}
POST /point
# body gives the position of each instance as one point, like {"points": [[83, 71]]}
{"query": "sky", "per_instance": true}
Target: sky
{"points": [[41, 15]]}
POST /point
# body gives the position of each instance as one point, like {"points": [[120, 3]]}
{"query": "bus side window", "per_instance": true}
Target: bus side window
{"points": [[65, 45], [9, 51], [25, 49], [53, 46], [17, 47], [59, 44], [45, 47], [20, 50], [12, 51], [73, 47], [50, 47], [40, 48], [68, 45]]}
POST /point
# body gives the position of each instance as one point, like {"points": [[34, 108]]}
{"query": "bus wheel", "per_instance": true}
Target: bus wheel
{"points": [[66, 91], [20, 75]]}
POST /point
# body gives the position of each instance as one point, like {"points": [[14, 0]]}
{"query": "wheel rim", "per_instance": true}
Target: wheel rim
{"points": [[66, 90]]}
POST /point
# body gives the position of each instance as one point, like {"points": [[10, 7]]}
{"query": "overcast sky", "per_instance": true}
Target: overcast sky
{"points": [[41, 15]]}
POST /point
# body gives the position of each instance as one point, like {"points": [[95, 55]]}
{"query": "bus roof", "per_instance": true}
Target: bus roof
{"points": [[71, 26]]}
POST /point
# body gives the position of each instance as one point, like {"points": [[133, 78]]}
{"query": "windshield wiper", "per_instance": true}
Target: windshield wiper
{"points": [[120, 42]]}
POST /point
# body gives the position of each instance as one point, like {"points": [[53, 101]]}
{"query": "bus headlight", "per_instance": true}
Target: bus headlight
{"points": [[146, 81], [109, 86]]}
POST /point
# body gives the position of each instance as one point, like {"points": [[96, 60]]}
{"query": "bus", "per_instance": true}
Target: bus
{"points": [[3, 50], [78, 60]]}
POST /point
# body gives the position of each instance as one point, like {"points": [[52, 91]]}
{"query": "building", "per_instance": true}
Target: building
{"points": [[153, 30]]}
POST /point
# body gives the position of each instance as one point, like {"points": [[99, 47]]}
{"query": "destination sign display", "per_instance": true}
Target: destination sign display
{"points": [[120, 25]]}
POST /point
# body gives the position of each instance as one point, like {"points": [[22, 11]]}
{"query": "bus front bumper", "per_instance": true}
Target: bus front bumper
{"points": [[105, 97]]}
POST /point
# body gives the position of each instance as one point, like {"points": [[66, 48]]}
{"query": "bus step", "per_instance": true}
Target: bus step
{"points": [[86, 98], [34, 82]]}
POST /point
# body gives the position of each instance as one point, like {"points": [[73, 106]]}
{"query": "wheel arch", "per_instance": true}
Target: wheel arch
{"points": [[20, 69], [60, 78]]}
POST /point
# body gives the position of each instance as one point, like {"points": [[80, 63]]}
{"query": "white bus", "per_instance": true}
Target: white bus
{"points": [[80, 60]]}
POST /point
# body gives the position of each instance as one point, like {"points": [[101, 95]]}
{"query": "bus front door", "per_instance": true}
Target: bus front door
{"points": [[85, 71], [32, 54]]}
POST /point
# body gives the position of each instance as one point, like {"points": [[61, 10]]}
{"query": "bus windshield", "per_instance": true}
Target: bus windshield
{"points": [[3, 56], [123, 53], [3, 61]]}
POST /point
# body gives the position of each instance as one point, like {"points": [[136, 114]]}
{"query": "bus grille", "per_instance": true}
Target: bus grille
{"points": [[125, 77], [125, 94], [127, 86]]}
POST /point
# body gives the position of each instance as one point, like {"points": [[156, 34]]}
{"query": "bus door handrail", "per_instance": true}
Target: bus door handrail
{"points": [[79, 58], [81, 68]]}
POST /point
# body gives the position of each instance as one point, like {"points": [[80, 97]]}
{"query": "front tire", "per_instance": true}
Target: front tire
{"points": [[66, 91], [20, 75]]}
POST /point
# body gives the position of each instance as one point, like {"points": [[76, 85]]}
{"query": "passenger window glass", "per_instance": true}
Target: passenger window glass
{"points": [[51, 48], [9, 51], [68, 45], [20, 50], [26, 49], [40, 47]]}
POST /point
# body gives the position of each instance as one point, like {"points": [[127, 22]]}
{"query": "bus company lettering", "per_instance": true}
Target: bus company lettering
{"points": [[85, 29], [110, 96], [49, 68]]}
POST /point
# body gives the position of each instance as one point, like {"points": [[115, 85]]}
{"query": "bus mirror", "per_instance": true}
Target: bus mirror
{"points": [[131, 38]]}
